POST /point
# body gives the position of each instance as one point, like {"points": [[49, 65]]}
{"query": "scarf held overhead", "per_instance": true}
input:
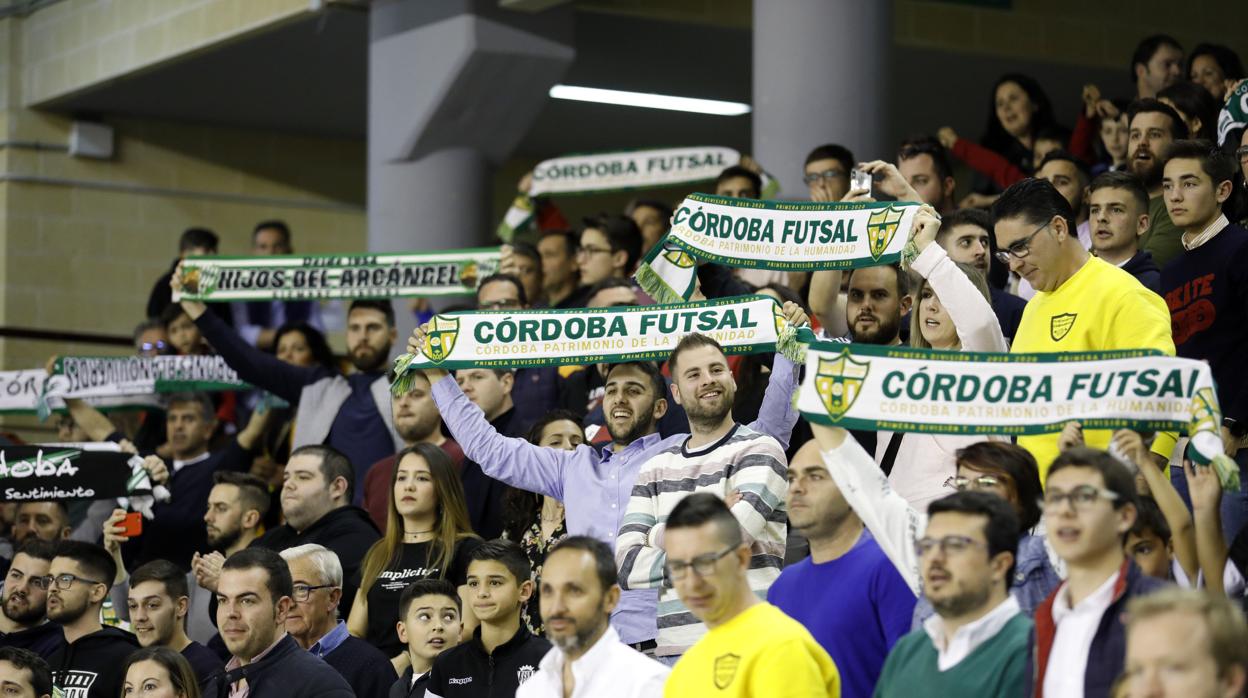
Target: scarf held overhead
{"points": [[500, 339], [950, 392], [775, 235], [297, 277], [111, 376]]}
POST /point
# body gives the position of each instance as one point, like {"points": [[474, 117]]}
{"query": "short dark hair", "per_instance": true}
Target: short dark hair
{"points": [[1117, 477], [253, 494], [1035, 201], [652, 371], [1002, 528], [1226, 59], [915, 146], [1148, 517], [37, 548], [524, 249], [198, 237], [500, 277], [165, 572], [604, 558], [1014, 461], [200, 400], [693, 340], [334, 465], [1063, 155], [555, 415], [904, 280], [832, 151], [1192, 100], [279, 226], [665, 210], [381, 306], [152, 323], [1178, 127], [570, 239], [1126, 181], [508, 554], [278, 582], [432, 586], [965, 216], [170, 313], [609, 282], [40, 672], [702, 508], [735, 171], [93, 559], [621, 233], [1148, 47], [1214, 162]]}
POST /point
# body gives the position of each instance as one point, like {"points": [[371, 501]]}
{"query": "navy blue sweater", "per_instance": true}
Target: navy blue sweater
{"points": [[369, 672], [1207, 292], [358, 429]]}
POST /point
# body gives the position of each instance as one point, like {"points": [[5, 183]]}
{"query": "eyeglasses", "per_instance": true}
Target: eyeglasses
{"points": [[983, 482], [149, 346], [703, 565], [812, 177], [303, 591], [948, 545], [65, 581], [1020, 248], [1081, 498], [589, 250], [500, 304]]}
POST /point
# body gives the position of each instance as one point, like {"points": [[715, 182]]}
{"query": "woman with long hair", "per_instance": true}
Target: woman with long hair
{"points": [[427, 535], [534, 521], [159, 672], [1211, 66]]}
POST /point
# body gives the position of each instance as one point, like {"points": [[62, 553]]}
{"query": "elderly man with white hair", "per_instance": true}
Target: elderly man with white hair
{"points": [[314, 623]]}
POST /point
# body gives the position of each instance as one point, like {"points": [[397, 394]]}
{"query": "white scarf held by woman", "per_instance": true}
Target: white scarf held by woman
{"points": [[950, 392]]}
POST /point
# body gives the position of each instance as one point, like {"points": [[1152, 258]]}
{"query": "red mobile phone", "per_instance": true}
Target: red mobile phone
{"points": [[132, 525]]}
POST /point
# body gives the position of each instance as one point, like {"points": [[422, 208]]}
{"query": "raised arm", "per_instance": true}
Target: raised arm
{"points": [[1211, 549], [972, 314], [1182, 529], [777, 415], [893, 523]]}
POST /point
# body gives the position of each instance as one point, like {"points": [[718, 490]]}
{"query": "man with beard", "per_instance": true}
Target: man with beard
{"points": [[159, 601], [91, 663], [596, 484], [718, 456], [47, 521], [23, 622], [847, 593], [1156, 64], [1152, 127], [979, 642], [350, 413], [579, 593], [417, 420]]}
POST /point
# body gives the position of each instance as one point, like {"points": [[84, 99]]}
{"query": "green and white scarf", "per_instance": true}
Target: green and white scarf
{"points": [[951, 392], [366, 275], [522, 339], [621, 171], [113, 376], [20, 393], [776, 235], [1234, 113]]}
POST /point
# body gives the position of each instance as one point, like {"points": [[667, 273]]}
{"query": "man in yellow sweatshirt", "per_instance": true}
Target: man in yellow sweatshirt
{"points": [[1082, 303]]}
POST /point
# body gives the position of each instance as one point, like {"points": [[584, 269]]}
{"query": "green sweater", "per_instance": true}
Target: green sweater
{"points": [[997, 667], [1163, 239]]}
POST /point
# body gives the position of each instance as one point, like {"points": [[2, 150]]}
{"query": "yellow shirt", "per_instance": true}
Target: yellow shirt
{"points": [[761, 653], [1100, 308]]}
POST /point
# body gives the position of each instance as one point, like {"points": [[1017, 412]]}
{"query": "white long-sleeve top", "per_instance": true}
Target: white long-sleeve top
{"points": [[925, 461]]}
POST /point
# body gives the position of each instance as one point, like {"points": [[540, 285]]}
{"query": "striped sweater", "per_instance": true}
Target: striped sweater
{"points": [[744, 461]]}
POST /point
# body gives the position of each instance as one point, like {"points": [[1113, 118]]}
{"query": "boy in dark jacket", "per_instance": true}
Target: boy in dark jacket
{"points": [[502, 654], [91, 663], [430, 623]]}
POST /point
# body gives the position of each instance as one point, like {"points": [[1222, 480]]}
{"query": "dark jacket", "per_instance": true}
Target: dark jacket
{"points": [[347, 531], [1009, 311], [1109, 645], [482, 493], [369, 672], [43, 639], [468, 671], [404, 688], [91, 666], [289, 671], [1145, 270]]}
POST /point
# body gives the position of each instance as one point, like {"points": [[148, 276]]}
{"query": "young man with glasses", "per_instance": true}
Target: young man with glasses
{"points": [[1082, 303], [1089, 506], [610, 246], [313, 621], [24, 604], [91, 663], [979, 641], [750, 648]]}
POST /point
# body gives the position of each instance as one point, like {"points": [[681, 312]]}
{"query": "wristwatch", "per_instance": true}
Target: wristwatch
{"points": [[1237, 428]]}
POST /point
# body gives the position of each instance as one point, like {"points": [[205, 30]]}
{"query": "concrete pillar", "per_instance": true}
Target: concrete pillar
{"points": [[821, 75]]}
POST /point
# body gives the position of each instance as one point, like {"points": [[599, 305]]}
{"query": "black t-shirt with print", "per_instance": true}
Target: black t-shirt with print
{"points": [[417, 561]]}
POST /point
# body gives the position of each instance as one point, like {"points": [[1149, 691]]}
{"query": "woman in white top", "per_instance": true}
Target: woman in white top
{"points": [[952, 311]]}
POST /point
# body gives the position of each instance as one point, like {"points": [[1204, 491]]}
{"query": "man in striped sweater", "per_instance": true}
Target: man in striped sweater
{"points": [[720, 456]]}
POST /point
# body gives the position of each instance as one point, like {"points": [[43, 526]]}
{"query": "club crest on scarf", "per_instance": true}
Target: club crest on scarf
{"points": [[440, 340], [839, 381], [881, 227]]}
